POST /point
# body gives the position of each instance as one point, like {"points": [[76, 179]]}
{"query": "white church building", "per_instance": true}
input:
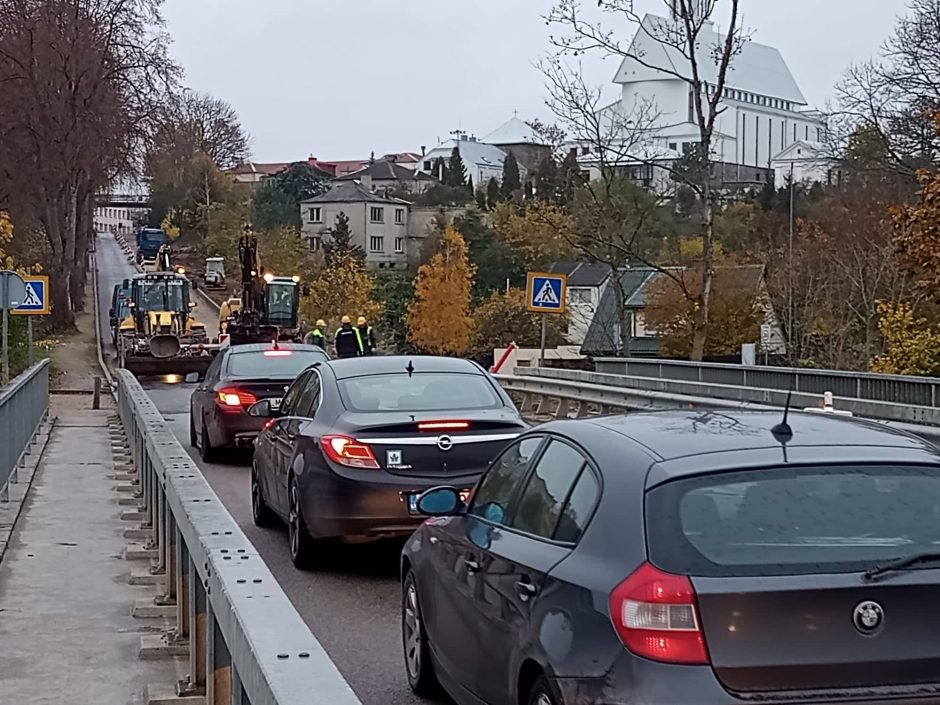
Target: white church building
{"points": [[764, 111]]}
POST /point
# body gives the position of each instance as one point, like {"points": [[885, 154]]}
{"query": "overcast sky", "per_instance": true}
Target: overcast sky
{"points": [[339, 79]]}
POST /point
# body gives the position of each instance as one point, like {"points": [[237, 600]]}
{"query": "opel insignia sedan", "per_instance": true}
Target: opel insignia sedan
{"points": [[354, 442], [695, 557], [238, 377]]}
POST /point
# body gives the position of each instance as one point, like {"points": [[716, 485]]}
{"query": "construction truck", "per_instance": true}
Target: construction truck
{"points": [[269, 306], [160, 335], [149, 242], [215, 273]]}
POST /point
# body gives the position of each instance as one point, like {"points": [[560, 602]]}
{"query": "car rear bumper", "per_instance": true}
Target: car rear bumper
{"points": [[239, 430], [374, 506]]}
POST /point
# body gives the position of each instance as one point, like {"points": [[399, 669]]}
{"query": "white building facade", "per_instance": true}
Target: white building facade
{"points": [[764, 111]]}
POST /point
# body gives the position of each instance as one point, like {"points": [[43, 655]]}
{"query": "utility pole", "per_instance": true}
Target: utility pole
{"points": [[790, 273]]}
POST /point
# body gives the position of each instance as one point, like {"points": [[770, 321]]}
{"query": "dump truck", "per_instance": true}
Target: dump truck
{"points": [[149, 242], [160, 335], [269, 306]]}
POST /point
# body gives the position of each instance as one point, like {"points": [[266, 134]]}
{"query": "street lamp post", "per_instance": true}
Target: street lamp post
{"points": [[790, 273]]}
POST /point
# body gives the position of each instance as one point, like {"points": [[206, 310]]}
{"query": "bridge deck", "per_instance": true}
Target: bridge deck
{"points": [[66, 631]]}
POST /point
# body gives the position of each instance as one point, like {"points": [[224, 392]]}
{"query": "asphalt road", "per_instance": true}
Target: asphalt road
{"points": [[352, 606]]}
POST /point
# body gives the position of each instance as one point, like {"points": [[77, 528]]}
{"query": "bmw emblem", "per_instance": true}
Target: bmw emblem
{"points": [[445, 443], [868, 617]]}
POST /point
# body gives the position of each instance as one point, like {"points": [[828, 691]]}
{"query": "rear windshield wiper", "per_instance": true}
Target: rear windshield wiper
{"points": [[900, 564]]}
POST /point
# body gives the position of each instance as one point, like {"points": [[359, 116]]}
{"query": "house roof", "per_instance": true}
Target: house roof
{"points": [[603, 335], [514, 131], [799, 150], [383, 170], [269, 169], [353, 192], [583, 274], [758, 68], [473, 153]]}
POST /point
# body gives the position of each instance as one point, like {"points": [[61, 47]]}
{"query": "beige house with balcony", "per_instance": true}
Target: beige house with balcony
{"points": [[378, 223]]}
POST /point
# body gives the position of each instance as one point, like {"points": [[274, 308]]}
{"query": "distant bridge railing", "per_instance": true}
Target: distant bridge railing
{"points": [[246, 642], [896, 389], [126, 200], [24, 405]]}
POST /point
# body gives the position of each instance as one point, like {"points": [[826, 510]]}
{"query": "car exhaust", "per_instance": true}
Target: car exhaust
{"points": [[164, 346]]}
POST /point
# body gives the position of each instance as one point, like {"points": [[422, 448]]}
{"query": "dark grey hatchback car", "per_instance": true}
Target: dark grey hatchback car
{"points": [[683, 557]]}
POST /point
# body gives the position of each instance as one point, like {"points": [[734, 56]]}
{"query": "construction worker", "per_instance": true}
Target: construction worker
{"points": [[347, 340], [366, 335], [317, 336]]}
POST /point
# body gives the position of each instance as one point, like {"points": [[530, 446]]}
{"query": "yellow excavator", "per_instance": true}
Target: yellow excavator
{"points": [[160, 335]]}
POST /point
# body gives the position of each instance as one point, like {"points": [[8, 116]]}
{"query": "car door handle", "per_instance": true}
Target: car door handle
{"points": [[471, 565], [526, 589]]}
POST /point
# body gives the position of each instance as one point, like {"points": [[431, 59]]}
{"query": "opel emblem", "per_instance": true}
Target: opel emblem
{"points": [[445, 443], [868, 617]]}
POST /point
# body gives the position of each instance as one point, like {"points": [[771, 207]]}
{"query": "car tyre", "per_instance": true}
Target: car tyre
{"points": [[543, 693], [206, 451], [193, 441], [417, 650], [261, 513], [303, 548]]}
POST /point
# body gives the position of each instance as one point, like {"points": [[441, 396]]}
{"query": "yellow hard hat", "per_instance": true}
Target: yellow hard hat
{"points": [[362, 320], [345, 319], [321, 323]]}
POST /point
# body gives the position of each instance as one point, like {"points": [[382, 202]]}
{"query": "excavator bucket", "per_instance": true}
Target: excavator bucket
{"points": [[164, 346], [156, 367]]}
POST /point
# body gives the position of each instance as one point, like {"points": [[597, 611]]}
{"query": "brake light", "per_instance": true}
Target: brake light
{"points": [[349, 452], [656, 616], [443, 425], [233, 398], [278, 353]]}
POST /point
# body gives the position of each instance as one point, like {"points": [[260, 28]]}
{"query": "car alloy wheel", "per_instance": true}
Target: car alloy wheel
{"points": [[414, 639], [206, 451], [542, 693], [260, 511], [192, 431], [301, 543]]}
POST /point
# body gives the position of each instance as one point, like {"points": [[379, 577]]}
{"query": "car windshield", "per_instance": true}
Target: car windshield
{"points": [[437, 391], [162, 295], [153, 236], [272, 364], [783, 522]]}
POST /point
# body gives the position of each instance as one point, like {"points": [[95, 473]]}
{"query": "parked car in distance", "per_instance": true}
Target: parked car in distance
{"points": [[355, 442], [238, 377], [680, 557]]}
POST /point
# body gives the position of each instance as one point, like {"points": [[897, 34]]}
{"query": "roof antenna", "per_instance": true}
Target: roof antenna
{"points": [[782, 431], [410, 369]]}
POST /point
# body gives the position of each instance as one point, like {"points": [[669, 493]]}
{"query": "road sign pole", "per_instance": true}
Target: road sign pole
{"points": [[4, 305], [29, 339], [544, 329]]}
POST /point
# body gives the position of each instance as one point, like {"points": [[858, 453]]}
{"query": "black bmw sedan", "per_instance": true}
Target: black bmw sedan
{"points": [[354, 442], [686, 557]]}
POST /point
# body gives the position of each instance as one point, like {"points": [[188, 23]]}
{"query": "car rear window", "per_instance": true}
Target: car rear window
{"points": [[272, 364], [793, 521], [427, 391]]}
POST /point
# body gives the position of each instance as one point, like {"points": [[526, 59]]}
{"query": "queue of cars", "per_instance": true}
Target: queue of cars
{"points": [[705, 556]]}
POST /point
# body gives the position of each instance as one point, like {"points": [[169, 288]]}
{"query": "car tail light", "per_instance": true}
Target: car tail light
{"points": [[443, 425], [233, 398], [656, 616], [349, 452], [278, 353]]}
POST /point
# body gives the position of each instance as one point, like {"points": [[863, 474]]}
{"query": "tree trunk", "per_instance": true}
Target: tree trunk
{"points": [[624, 317], [703, 305]]}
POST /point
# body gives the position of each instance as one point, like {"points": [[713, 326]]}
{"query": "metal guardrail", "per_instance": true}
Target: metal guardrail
{"points": [[247, 643], [24, 405], [896, 389]]}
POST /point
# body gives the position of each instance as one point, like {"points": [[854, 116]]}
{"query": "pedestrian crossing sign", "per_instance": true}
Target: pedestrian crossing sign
{"points": [[36, 302], [546, 293]]}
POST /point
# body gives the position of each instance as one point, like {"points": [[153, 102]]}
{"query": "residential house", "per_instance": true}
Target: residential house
{"points": [[805, 162], [763, 109], [389, 176], [482, 161], [586, 286], [379, 223], [515, 137], [254, 172], [603, 336]]}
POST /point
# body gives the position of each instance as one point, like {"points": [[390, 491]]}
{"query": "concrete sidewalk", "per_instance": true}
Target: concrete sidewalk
{"points": [[66, 631]]}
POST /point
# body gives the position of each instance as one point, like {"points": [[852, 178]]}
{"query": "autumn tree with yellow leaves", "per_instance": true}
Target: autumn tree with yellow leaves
{"points": [[911, 344], [341, 287], [439, 321]]}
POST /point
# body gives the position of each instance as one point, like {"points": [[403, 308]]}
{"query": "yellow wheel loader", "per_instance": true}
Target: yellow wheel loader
{"points": [[160, 336]]}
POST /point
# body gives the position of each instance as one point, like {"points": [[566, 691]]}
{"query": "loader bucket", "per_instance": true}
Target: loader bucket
{"points": [[152, 367], [164, 346]]}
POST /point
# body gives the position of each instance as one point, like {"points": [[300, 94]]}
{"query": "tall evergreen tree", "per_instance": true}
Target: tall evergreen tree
{"points": [[470, 184], [571, 178], [512, 182], [492, 192], [456, 171], [341, 244]]}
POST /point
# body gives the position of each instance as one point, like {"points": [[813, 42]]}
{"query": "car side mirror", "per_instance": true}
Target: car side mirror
{"points": [[261, 409], [193, 377], [440, 502]]}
